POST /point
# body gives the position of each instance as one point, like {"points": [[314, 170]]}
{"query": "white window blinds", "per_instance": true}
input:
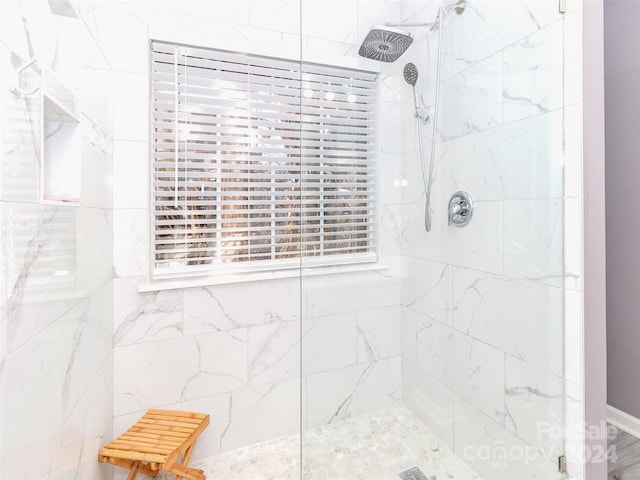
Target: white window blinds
{"points": [[258, 161]]}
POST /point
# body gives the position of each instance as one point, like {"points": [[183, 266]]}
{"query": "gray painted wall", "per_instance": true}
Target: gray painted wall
{"points": [[594, 230], [622, 95]]}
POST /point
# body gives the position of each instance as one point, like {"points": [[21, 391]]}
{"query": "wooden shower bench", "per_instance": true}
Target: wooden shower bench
{"points": [[160, 440]]}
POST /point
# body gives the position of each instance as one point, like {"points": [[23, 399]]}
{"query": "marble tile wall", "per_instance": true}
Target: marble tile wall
{"points": [[457, 326], [56, 291], [490, 312], [234, 350]]}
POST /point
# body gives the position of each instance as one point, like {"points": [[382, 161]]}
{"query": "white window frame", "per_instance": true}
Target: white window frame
{"points": [[319, 94]]}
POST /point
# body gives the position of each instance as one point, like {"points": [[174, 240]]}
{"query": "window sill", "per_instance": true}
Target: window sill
{"points": [[212, 280]]}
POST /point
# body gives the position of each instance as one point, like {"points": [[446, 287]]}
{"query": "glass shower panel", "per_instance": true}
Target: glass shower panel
{"points": [[441, 350], [502, 138]]}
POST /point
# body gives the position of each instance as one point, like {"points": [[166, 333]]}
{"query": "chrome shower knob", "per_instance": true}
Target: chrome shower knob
{"points": [[460, 209]]}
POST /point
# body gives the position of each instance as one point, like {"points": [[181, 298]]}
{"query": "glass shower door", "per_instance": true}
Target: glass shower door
{"points": [[442, 351]]}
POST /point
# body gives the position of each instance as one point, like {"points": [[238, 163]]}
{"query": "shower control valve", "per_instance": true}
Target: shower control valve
{"points": [[460, 209]]}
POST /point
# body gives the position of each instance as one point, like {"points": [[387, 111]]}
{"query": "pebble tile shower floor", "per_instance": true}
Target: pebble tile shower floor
{"points": [[376, 446]]}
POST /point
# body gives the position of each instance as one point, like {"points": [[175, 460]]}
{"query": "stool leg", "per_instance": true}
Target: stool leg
{"points": [[185, 459], [134, 470]]}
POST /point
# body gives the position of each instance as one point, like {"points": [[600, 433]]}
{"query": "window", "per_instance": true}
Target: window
{"points": [[257, 161]]}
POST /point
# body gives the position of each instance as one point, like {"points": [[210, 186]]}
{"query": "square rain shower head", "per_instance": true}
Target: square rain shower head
{"points": [[385, 44]]}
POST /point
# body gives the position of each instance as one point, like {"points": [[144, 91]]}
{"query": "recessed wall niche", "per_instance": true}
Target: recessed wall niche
{"points": [[61, 143]]}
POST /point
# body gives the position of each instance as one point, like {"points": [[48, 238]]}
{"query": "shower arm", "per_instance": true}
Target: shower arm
{"points": [[458, 7], [415, 25]]}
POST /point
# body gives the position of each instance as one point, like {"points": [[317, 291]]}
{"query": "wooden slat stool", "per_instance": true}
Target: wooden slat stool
{"points": [[160, 440]]}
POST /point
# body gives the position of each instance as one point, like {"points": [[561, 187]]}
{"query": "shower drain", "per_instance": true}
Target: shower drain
{"points": [[413, 474]]}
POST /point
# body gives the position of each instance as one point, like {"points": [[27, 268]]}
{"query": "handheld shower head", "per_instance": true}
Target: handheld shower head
{"points": [[385, 44], [410, 74]]}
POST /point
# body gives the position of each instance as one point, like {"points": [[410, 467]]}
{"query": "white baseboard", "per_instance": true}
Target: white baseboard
{"points": [[623, 421]]}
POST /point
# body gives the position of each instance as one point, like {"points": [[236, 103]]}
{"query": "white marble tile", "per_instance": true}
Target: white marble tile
{"points": [[434, 343], [378, 333], [390, 83], [29, 29], [477, 166], [520, 160], [389, 171], [390, 229], [573, 151], [94, 247], [118, 28], [476, 373], [442, 185], [350, 292], [225, 307], [262, 413], [20, 169], [533, 73], [130, 242], [488, 26], [532, 157], [494, 452], [412, 180], [331, 20], [475, 34], [408, 334], [472, 99], [412, 172], [470, 368], [410, 213], [274, 352], [96, 176], [525, 17], [40, 269], [429, 400], [218, 408], [86, 344], [283, 16], [573, 336], [479, 245], [72, 45], [228, 11], [130, 174], [426, 288], [523, 318], [573, 241], [329, 342], [534, 401], [85, 429], [573, 71], [96, 101], [327, 50], [170, 371], [533, 240], [28, 423], [394, 117], [145, 317], [131, 107], [338, 394]]}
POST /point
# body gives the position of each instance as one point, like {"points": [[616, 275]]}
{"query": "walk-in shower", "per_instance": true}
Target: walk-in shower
{"points": [[387, 44], [273, 271]]}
